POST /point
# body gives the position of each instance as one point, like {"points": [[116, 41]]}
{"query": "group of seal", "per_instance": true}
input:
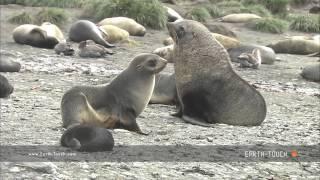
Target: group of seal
{"points": [[115, 105]]}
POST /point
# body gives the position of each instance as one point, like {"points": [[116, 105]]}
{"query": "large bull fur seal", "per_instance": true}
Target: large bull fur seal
{"points": [[209, 91]]}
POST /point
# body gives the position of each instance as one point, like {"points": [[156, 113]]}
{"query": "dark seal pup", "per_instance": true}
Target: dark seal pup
{"points": [[83, 30], [209, 91], [87, 138], [311, 72], [8, 65], [5, 87], [115, 105]]}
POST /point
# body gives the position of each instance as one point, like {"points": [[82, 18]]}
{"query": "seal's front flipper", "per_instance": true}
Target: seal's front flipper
{"points": [[196, 122], [128, 122], [178, 113]]}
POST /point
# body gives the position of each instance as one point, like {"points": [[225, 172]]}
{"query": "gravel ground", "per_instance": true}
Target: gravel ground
{"points": [[31, 116]]}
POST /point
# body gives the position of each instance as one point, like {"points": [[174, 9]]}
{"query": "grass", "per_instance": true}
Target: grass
{"points": [[214, 11], [229, 4], [277, 6], [300, 2], [23, 18], [48, 3], [270, 25], [199, 14], [305, 23], [149, 13], [256, 9], [54, 15]]}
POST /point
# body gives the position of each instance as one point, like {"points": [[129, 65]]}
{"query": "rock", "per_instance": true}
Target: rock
{"points": [[43, 167], [124, 166], [14, 169]]}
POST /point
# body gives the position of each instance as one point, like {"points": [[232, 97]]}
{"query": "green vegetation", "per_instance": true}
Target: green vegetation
{"points": [[199, 14], [229, 4], [23, 18], [300, 2], [306, 23], [270, 25], [277, 6], [48, 3], [53, 15], [214, 11], [256, 9], [146, 12]]}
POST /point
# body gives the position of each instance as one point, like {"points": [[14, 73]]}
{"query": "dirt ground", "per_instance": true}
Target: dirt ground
{"points": [[31, 116]]}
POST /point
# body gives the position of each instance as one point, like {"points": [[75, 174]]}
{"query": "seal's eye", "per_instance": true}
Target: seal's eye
{"points": [[152, 63], [180, 32]]}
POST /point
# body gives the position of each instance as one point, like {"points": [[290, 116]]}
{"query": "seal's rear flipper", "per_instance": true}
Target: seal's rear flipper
{"points": [[196, 122]]}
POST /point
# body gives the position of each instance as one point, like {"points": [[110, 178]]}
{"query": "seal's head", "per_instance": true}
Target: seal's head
{"points": [[5, 87], [148, 63], [184, 31]]}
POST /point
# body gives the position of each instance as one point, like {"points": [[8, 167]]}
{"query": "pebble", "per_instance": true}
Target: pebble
{"points": [[14, 169]]}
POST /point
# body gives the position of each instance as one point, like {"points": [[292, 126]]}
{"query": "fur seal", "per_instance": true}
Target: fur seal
{"points": [[130, 25], [117, 104], [64, 48], [164, 91], [209, 91], [5, 87], [314, 10], [239, 18], [173, 15], [311, 72], [53, 31], [83, 30], [296, 46], [33, 35], [220, 29], [8, 65], [165, 52], [90, 49], [115, 34], [227, 42], [268, 56], [250, 60], [87, 138]]}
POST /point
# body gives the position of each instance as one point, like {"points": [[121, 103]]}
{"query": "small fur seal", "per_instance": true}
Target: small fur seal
{"points": [[268, 56], [311, 72], [8, 65], [165, 52], [173, 15], [250, 60], [87, 138], [5, 87], [164, 91], [115, 34], [90, 49], [226, 41], [296, 46], [209, 91], [33, 35], [220, 29], [239, 18], [64, 48], [117, 104], [83, 30], [130, 25], [53, 31]]}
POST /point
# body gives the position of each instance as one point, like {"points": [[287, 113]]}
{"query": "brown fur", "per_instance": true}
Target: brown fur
{"points": [[209, 91]]}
